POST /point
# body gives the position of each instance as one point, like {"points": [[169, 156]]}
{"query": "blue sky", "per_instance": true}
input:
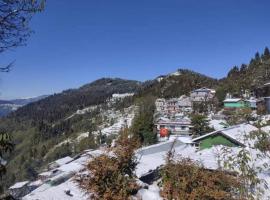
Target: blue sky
{"points": [[76, 42]]}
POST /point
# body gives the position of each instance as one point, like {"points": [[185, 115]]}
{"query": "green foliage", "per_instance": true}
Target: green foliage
{"points": [[143, 123], [86, 143], [59, 106], [5, 146], [220, 94], [175, 86], [250, 76], [238, 116], [200, 124], [59, 152]]}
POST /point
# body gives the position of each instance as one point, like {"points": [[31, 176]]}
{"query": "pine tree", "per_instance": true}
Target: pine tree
{"points": [[266, 52], [257, 56], [5, 146]]}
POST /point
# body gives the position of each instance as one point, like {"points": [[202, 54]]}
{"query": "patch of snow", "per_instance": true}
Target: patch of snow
{"points": [[63, 161], [19, 185], [47, 192], [266, 129], [152, 193], [218, 124]]}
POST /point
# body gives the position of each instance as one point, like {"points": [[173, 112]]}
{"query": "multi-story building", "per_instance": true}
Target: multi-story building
{"points": [[202, 94], [173, 105], [179, 126]]}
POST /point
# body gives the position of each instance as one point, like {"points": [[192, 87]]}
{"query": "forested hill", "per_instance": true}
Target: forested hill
{"points": [[175, 85], [58, 106], [246, 76]]}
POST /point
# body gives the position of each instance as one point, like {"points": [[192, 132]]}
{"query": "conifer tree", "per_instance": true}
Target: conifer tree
{"points": [[266, 53]]}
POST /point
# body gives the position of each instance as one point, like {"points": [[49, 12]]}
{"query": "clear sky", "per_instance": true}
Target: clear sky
{"points": [[76, 42]]}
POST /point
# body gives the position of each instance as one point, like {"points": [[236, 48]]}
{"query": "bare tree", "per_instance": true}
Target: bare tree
{"points": [[15, 16]]}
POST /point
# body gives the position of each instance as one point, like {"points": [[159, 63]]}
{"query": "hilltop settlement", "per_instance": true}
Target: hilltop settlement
{"points": [[179, 136], [194, 125]]}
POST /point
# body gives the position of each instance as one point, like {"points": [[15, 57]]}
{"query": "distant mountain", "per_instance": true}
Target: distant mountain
{"points": [[61, 105], [8, 106], [25, 101]]}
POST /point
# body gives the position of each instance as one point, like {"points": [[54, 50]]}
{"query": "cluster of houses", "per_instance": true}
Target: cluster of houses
{"points": [[171, 117], [259, 97]]}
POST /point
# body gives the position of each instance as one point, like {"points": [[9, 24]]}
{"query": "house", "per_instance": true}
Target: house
{"points": [[173, 126], [48, 174], [174, 105], [160, 105], [233, 136], [253, 102], [233, 103], [185, 104], [202, 94], [264, 93]]}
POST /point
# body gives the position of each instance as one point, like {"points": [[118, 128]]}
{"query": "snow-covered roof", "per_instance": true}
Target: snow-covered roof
{"points": [[237, 133], [232, 100], [204, 89], [19, 185], [36, 183], [63, 161], [182, 121], [47, 192]]}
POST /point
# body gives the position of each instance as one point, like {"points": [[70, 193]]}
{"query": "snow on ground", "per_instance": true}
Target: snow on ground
{"points": [[149, 159], [152, 193], [266, 129], [83, 111], [264, 119], [68, 189], [19, 185], [218, 124]]}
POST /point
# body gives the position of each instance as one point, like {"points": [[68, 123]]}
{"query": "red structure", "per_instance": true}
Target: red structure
{"points": [[164, 132]]}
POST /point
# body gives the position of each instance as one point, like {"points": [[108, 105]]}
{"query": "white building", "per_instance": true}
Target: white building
{"points": [[202, 94]]}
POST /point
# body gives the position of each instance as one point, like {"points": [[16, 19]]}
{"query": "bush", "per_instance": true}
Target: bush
{"points": [[111, 176], [186, 179]]}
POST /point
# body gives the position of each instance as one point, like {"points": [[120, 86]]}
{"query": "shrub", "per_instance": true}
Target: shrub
{"points": [[186, 179], [111, 176]]}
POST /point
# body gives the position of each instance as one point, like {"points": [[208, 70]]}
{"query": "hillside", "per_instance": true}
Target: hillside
{"points": [[179, 83], [44, 131], [247, 76], [42, 125], [58, 106]]}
